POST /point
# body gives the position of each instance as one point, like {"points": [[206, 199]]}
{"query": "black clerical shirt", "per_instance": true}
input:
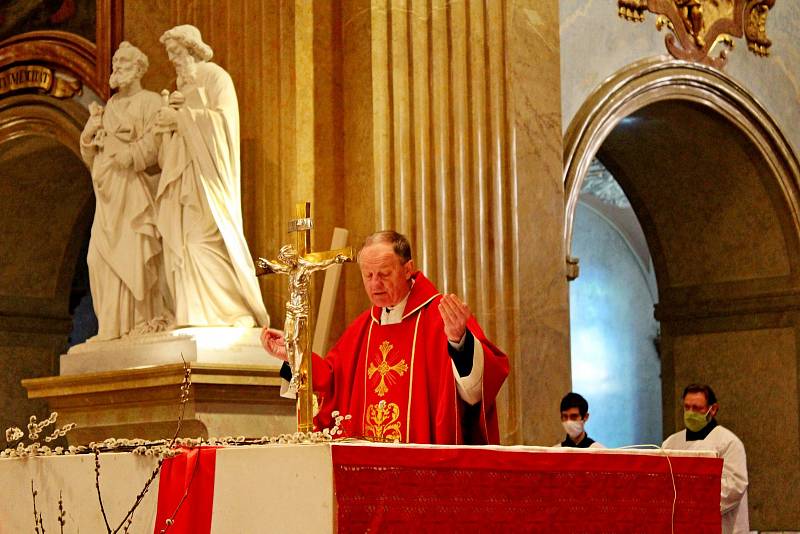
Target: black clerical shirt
{"points": [[702, 433], [585, 443]]}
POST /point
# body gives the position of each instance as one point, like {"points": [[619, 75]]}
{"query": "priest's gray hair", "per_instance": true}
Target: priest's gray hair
{"points": [[139, 57], [399, 243], [189, 37]]}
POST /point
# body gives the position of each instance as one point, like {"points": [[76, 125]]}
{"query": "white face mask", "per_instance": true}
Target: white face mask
{"points": [[573, 428]]}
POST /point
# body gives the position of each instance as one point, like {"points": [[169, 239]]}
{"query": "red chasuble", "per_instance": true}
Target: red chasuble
{"points": [[396, 381]]}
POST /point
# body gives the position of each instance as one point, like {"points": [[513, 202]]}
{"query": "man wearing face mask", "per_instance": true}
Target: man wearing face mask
{"points": [[704, 433], [574, 414]]}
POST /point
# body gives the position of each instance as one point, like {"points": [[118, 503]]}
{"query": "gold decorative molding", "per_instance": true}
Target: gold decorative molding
{"points": [[89, 62], [697, 26], [38, 78]]}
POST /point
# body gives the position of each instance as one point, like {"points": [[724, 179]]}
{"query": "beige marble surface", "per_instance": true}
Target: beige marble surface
{"points": [[210, 344], [223, 400], [595, 43], [541, 368]]}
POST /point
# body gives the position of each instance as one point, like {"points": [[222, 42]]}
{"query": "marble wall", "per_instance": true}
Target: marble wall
{"points": [[754, 373], [541, 370], [46, 205], [589, 56], [458, 123]]}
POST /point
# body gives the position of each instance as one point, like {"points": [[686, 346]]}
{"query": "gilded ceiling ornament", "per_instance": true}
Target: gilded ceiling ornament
{"points": [[697, 26]]}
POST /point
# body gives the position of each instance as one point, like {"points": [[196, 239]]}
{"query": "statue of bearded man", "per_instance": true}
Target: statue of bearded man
{"points": [[124, 256], [210, 273]]}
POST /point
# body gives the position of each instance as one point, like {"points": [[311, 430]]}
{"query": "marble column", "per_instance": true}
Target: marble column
{"points": [[465, 136]]}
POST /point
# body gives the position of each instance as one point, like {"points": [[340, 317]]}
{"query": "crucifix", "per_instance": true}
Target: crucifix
{"points": [[297, 263]]}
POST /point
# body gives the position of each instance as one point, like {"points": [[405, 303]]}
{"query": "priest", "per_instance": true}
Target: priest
{"points": [[413, 368]]}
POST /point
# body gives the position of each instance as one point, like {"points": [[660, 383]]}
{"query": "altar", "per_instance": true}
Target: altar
{"points": [[363, 487]]}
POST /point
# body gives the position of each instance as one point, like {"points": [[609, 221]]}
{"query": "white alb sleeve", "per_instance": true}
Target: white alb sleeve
{"points": [[470, 387]]}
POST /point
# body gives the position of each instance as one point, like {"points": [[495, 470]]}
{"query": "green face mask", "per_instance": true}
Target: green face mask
{"points": [[695, 421]]}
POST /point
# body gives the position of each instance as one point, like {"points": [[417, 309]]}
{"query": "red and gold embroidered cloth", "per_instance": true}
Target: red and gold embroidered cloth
{"points": [[461, 489], [396, 381], [325, 488]]}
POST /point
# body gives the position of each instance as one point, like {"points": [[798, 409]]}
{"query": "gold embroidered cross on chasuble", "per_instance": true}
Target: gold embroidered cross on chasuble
{"points": [[390, 368]]}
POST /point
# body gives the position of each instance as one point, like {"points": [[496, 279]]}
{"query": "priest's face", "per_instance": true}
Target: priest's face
{"points": [[387, 279]]}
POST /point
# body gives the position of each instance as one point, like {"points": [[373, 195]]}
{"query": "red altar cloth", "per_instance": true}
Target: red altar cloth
{"points": [[186, 492], [443, 489], [355, 487]]}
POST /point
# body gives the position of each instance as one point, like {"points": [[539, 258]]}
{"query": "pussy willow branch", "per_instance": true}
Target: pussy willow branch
{"points": [[61, 512], [97, 487], [171, 520], [184, 398], [37, 518]]}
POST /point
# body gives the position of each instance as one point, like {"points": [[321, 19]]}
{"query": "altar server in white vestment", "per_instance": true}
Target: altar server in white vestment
{"points": [[574, 415], [210, 273], [702, 432]]}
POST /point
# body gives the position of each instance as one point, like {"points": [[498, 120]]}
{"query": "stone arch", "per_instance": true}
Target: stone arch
{"points": [[43, 133], [714, 183], [46, 208], [655, 80]]}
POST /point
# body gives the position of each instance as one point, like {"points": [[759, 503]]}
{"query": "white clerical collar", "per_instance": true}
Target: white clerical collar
{"points": [[394, 314]]}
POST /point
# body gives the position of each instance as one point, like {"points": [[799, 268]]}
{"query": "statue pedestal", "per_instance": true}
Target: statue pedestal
{"points": [[131, 388], [211, 344]]}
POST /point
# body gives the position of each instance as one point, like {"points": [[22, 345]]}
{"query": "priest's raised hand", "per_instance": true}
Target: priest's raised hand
{"points": [[455, 315]]}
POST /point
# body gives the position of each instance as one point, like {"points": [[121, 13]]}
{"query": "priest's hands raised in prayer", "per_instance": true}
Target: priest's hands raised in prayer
{"points": [[455, 315], [275, 343]]}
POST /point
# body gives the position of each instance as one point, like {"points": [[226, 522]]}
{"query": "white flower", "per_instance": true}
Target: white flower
{"points": [[13, 434]]}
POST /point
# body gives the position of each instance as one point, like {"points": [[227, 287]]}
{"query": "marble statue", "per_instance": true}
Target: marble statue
{"points": [[209, 271], [124, 257]]}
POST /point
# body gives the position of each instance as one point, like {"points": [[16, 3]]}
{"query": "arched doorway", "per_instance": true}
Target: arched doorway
{"points": [[614, 337], [46, 207], [713, 183]]}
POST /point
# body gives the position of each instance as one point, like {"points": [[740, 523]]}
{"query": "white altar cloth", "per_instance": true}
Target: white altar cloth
{"points": [[257, 489]]}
